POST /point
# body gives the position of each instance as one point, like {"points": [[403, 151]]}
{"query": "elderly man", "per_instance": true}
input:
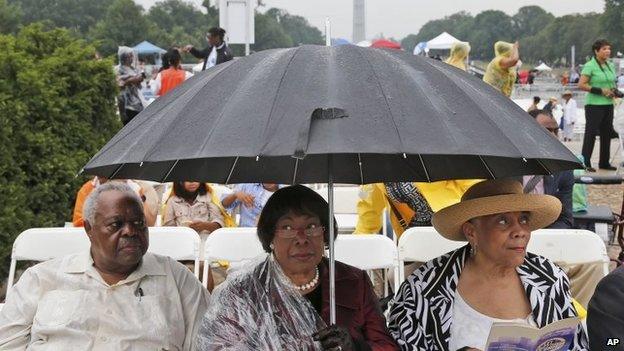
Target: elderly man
{"points": [[114, 296]]}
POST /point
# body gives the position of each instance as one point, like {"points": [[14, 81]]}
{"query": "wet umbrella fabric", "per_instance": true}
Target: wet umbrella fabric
{"points": [[362, 115]]}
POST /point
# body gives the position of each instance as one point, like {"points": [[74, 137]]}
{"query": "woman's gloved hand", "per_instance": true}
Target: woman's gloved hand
{"points": [[334, 338]]}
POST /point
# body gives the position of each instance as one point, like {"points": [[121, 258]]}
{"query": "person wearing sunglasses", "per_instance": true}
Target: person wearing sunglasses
{"points": [[282, 302]]}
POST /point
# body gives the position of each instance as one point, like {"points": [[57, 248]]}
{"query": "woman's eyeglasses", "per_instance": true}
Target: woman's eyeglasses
{"points": [[290, 233]]}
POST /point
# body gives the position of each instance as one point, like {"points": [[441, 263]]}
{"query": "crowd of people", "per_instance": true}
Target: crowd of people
{"points": [[132, 80], [116, 295]]}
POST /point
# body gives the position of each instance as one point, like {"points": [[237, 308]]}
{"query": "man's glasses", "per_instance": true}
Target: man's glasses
{"points": [[290, 233]]}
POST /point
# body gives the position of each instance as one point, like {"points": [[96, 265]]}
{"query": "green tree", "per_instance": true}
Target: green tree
{"points": [[612, 23], [78, 15], [556, 39], [269, 33], [56, 110], [123, 24], [10, 17], [297, 27], [459, 25], [177, 23], [530, 20], [489, 27]]}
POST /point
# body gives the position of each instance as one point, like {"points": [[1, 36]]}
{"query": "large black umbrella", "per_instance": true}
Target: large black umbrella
{"points": [[382, 115], [331, 114]]}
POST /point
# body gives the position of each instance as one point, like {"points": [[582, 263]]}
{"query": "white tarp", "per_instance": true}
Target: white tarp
{"points": [[443, 41], [543, 67]]}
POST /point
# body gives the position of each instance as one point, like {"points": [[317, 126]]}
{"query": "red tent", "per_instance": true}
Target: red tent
{"points": [[387, 44]]}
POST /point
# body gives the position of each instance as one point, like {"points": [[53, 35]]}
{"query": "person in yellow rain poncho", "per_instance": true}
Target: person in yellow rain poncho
{"points": [[500, 72], [409, 204], [459, 54]]}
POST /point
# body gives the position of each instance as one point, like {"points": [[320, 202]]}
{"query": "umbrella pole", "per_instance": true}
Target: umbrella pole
{"points": [[332, 258], [330, 198]]}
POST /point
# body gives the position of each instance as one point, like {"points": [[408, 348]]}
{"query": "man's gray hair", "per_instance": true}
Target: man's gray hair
{"points": [[90, 205]]}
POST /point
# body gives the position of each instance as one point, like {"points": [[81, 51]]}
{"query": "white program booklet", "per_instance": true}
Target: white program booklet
{"points": [[557, 336]]}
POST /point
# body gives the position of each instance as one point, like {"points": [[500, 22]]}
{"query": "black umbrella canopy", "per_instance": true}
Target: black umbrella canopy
{"points": [[362, 115]]}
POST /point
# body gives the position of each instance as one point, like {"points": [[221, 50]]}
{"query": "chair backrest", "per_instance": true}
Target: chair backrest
{"points": [[422, 244], [179, 243], [43, 244], [345, 198], [572, 246], [232, 244], [366, 252], [235, 245], [369, 251]]}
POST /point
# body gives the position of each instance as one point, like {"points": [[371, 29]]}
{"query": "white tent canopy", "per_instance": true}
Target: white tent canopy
{"points": [[543, 67], [443, 41]]}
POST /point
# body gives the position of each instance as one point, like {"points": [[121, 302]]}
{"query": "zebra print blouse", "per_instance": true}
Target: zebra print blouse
{"points": [[421, 312]]}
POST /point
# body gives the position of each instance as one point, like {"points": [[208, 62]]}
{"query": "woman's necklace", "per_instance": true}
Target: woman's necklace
{"points": [[311, 284]]}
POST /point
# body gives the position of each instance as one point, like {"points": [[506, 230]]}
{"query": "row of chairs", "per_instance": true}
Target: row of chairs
{"points": [[366, 252]]}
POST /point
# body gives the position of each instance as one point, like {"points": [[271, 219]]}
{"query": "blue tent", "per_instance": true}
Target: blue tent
{"points": [[146, 48], [339, 41]]}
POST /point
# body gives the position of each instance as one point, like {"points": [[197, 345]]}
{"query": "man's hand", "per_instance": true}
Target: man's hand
{"points": [[245, 199], [334, 338], [187, 48]]}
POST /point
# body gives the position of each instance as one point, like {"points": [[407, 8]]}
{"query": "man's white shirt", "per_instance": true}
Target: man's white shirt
{"points": [[64, 304]]}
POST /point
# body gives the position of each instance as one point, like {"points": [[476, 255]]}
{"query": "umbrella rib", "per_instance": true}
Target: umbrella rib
{"points": [[140, 126], [227, 181], [279, 86], [169, 172], [360, 164], [396, 127], [295, 173], [543, 166], [487, 167], [116, 171], [422, 162], [471, 89]]}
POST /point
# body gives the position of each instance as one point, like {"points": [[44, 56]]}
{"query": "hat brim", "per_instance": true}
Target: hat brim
{"points": [[544, 210]]}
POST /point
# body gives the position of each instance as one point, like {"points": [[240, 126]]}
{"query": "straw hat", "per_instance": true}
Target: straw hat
{"points": [[567, 92], [492, 197]]}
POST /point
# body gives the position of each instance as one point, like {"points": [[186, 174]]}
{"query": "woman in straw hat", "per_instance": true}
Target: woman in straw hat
{"points": [[451, 302]]}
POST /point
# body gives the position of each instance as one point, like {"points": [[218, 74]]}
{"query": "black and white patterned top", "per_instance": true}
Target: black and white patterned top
{"points": [[421, 313], [409, 194]]}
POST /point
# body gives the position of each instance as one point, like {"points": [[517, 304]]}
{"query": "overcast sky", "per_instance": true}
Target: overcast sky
{"points": [[398, 18]]}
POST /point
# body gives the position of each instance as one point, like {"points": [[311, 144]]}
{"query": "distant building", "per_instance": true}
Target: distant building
{"points": [[359, 21]]}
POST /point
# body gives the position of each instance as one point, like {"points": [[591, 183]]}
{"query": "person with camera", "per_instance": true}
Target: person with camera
{"points": [[598, 78]]}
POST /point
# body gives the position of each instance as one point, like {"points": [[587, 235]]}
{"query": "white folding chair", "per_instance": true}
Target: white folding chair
{"points": [[572, 246], [422, 244], [346, 199], [234, 245], [368, 252], [43, 244], [179, 243], [345, 206]]}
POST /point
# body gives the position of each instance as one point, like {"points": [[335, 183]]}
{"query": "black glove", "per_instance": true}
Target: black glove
{"points": [[334, 338]]}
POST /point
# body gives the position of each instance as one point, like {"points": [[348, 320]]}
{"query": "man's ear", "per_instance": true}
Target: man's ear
{"points": [[87, 227]]}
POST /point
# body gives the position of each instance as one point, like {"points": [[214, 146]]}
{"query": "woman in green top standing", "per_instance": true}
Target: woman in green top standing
{"points": [[598, 78]]}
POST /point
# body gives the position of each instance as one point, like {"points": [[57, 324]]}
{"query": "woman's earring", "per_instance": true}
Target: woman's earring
{"points": [[473, 250], [272, 246]]}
